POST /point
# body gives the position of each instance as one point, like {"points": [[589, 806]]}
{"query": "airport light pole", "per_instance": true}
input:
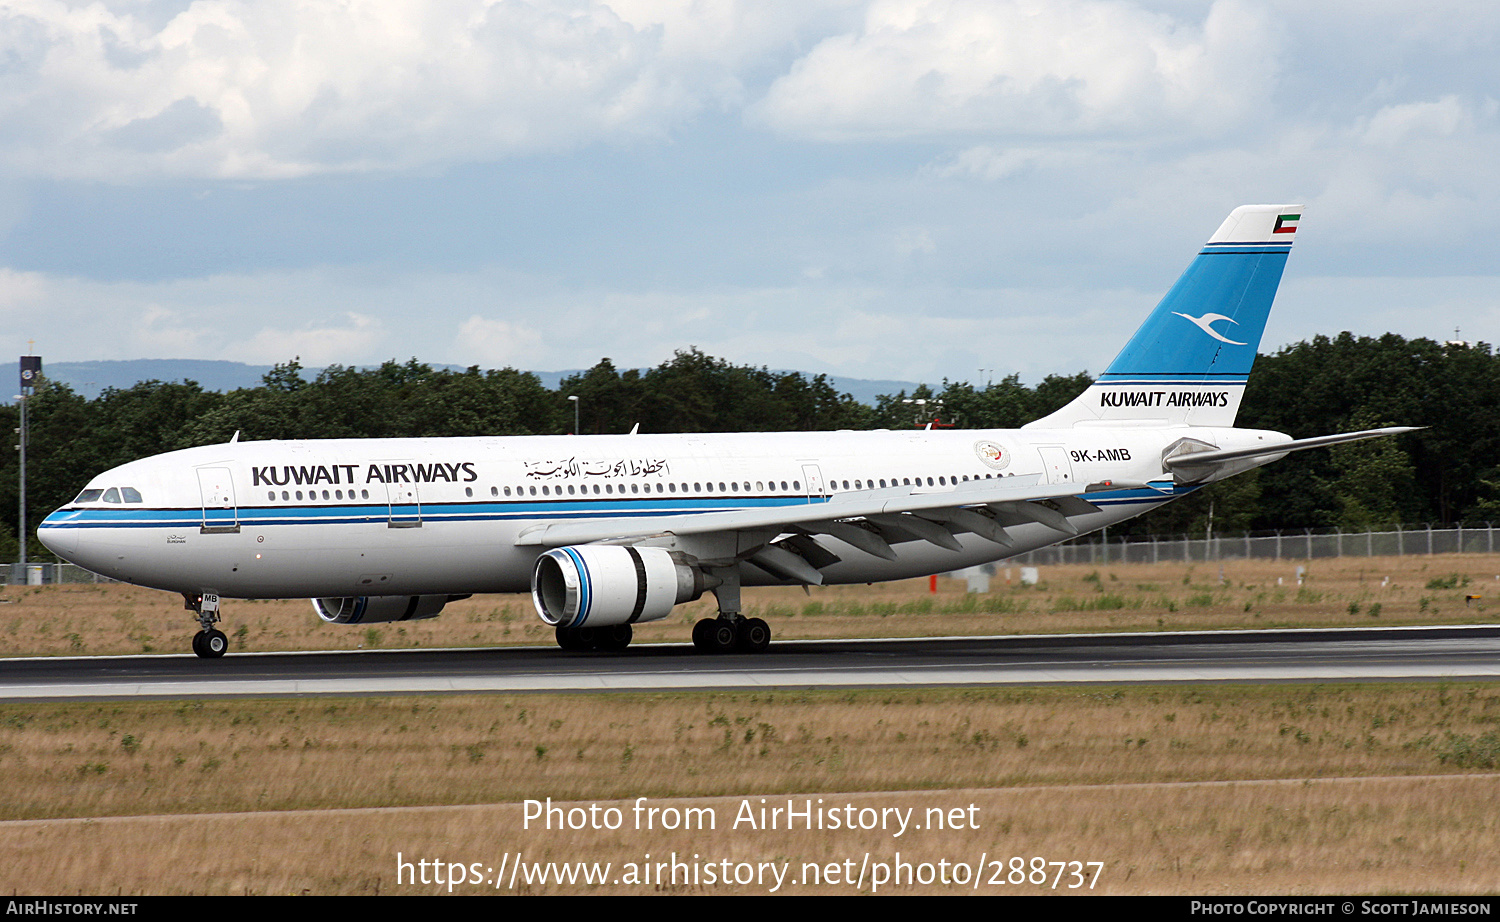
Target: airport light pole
{"points": [[573, 398], [31, 370], [21, 447]]}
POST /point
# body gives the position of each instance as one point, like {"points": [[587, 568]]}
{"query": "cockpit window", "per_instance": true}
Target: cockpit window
{"points": [[112, 495]]}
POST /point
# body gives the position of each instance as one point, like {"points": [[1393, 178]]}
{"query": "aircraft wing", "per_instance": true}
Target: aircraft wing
{"points": [[870, 520]]}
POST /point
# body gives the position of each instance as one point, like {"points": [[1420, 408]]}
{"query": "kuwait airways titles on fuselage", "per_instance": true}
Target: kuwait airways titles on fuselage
{"points": [[310, 474]]}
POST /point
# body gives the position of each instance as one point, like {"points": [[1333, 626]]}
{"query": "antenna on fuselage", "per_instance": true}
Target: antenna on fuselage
{"points": [[236, 437]]}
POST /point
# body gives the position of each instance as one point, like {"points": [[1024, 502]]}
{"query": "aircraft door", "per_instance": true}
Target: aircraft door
{"points": [[220, 512], [1056, 464], [814, 477], [405, 503]]}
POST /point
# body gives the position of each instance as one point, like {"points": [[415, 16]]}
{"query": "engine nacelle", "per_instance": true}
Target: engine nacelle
{"points": [[373, 609], [601, 585]]}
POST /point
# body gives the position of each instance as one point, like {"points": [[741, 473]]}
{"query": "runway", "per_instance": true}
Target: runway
{"points": [[1471, 653]]}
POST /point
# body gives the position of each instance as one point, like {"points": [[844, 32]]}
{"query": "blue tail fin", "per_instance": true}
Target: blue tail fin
{"points": [[1188, 363]]}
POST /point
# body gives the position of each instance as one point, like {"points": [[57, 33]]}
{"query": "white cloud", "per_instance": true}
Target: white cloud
{"points": [[21, 292], [324, 343], [278, 88], [1027, 68], [1395, 124], [498, 344]]}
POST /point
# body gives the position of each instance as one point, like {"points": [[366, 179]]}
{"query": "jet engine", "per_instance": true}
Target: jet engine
{"points": [[374, 609], [601, 585]]}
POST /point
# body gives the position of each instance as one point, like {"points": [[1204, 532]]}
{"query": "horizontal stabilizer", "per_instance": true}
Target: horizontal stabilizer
{"points": [[1195, 464]]}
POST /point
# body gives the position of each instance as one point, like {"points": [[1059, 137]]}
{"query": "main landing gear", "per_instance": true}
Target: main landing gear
{"points": [[731, 635], [210, 642], [731, 632]]}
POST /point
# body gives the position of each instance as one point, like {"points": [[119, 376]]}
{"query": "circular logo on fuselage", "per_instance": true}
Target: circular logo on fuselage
{"points": [[992, 455]]}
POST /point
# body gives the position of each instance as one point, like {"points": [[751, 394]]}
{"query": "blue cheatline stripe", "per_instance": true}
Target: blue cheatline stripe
{"points": [[493, 511], [496, 511], [585, 587]]}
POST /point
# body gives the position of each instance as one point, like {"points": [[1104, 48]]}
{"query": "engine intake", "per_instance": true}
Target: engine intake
{"points": [[376, 609], [602, 585]]}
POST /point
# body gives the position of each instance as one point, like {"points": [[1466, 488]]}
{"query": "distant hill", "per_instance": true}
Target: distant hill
{"points": [[91, 378]]}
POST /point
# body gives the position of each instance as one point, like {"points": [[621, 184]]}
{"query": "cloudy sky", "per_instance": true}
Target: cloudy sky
{"points": [[908, 189]]}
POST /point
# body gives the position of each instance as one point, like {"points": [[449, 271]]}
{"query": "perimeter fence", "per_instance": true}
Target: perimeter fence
{"points": [[46, 574], [1307, 544]]}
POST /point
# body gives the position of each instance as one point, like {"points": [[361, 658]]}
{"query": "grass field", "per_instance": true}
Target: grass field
{"points": [[1204, 790], [97, 619]]}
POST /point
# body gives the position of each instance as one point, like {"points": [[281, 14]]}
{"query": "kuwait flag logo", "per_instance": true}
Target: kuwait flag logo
{"points": [[1286, 223]]}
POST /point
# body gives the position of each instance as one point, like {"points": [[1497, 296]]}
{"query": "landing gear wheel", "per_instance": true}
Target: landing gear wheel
{"points": [[584, 639], [210, 644], [721, 635], [614, 639], [703, 635], [752, 635], [569, 639]]}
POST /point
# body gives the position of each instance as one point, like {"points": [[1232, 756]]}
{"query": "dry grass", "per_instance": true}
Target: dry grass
{"points": [[1338, 789], [1130, 777], [1374, 836], [109, 619]]}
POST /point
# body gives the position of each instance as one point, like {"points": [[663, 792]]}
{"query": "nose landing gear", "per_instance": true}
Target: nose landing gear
{"points": [[210, 642]]}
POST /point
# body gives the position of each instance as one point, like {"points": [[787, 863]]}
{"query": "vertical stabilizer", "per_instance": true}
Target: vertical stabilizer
{"points": [[1188, 363]]}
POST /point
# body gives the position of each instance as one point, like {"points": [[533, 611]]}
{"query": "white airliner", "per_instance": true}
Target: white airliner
{"points": [[610, 531]]}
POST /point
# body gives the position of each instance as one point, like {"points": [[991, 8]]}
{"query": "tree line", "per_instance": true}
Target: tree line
{"points": [[1447, 473]]}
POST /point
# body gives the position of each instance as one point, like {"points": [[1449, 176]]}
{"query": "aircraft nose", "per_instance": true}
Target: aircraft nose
{"points": [[58, 538]]}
